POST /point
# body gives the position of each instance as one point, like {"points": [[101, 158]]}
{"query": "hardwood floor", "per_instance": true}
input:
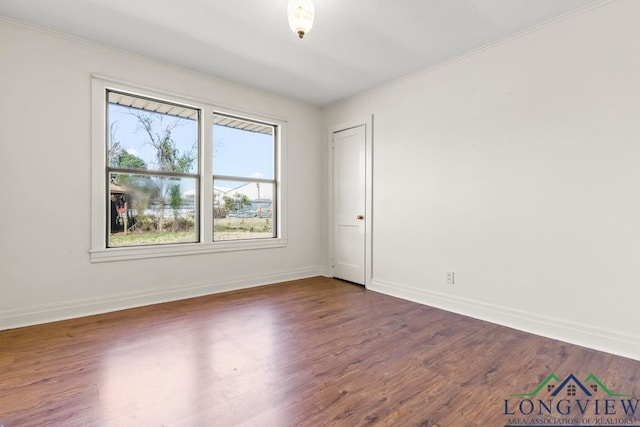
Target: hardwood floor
{"points": [[310, 352]]}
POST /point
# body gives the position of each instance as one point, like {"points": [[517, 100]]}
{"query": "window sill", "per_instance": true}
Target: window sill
{"points": [[143, 252]]}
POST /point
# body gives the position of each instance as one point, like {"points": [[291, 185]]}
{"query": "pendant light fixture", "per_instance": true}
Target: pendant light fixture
{"points": [[300, 14]]}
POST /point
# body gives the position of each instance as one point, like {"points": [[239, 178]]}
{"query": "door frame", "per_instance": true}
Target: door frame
{"points": [[368, 197]]}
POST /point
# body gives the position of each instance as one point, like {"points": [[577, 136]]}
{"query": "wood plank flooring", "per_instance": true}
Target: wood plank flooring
{"points": [[311, 352]]}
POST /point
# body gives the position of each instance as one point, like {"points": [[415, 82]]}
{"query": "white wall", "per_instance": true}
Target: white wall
{"points": [[518, 168], [45, 269]]}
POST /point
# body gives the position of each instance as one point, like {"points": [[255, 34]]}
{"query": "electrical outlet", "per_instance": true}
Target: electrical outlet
{"points": [[450, 278]]}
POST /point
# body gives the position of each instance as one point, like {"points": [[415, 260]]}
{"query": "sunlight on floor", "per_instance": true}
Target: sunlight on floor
{"points": [[167, 376]]}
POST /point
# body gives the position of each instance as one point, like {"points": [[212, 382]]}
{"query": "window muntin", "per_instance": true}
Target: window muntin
{"points": [[152, 170], [244, 179]]}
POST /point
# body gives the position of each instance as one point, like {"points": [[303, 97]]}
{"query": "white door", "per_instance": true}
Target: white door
{"points": [[349, 204]]}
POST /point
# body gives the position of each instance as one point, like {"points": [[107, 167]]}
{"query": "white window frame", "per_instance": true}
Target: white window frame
{"points": [[101, 253]]}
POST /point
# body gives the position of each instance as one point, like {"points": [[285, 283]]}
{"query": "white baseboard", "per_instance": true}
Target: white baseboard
{"points": [[11, 319], [584, 335]]}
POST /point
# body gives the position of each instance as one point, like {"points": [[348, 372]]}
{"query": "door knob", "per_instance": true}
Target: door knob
{"points": [[360, 217]]}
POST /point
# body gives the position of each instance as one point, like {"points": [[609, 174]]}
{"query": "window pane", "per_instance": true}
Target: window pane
{"points": [[151, 135], [242, 210], [151, 210], [243, 148]]}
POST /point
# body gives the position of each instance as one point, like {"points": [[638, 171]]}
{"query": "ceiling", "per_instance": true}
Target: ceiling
{"points": [[353, 46]]}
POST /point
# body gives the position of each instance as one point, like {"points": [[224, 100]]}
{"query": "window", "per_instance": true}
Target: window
{"points": [[176, 176], [244, 183], [152, 169], [571, 390]]}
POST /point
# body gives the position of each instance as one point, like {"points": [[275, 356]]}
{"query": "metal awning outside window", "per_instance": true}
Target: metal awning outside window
{"points": [[186, 112]]}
